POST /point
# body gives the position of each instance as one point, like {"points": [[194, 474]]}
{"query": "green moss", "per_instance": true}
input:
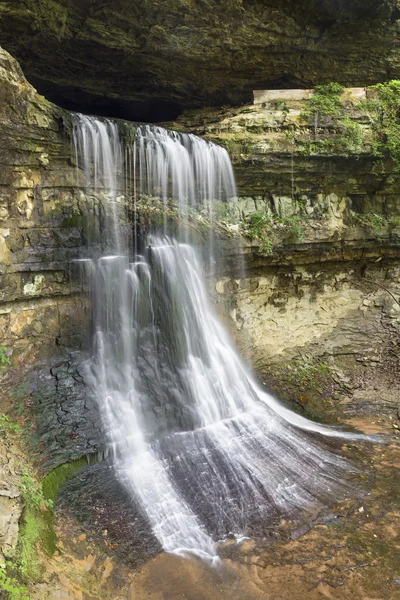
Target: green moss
{"points": [[36, 530], [52, 483]]}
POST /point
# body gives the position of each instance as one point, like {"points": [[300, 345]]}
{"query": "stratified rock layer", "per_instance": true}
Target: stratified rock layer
{"points": [[147, 60]]}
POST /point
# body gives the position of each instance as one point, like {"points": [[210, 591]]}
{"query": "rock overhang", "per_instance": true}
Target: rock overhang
{"points": [[149, 60]]}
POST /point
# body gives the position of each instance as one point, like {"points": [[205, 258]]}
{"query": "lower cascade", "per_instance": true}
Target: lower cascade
{"points": [[200, 446]]}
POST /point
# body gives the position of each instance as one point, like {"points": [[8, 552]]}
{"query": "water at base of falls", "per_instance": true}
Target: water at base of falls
{"points": [[202, 448]]}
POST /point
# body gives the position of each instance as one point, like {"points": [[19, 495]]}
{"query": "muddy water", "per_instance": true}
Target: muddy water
{"points": [[169, 577]]}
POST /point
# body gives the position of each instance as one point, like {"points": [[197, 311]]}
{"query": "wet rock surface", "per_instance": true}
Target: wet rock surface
{"points": [[67, 423], [96, 499]]}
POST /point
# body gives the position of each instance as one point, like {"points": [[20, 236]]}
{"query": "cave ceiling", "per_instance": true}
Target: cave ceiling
{"points": [[150, 59]]}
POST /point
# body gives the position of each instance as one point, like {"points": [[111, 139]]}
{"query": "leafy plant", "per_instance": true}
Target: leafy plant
{"points": [[10, 585], [32, 492], [324, 102], [259, 225], [352, 133], [263, 226], [7, 426], [385, 116], [4, 359]]}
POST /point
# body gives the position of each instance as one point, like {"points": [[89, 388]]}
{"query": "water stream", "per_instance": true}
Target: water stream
{"points": [[202, 448]]}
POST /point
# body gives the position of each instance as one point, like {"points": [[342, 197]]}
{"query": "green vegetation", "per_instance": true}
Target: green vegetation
{"points": [[32, 492], [36, 533], [38, 522], [10, 585], [7, 426], [309, 381], [4, 359], [37, 526], [36, 530], [237, 146], [262, 226], [52, 483], [371, 220], [375, 221], [348, 135], [324, 102], [259, 225], [352, 133], [280, 105], [385, 115], [306, 373]]}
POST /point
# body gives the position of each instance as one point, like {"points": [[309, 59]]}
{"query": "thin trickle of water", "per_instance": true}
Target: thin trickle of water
{"points": [[200, 446]]}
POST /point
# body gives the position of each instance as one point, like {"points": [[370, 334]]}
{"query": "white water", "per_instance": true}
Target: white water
{"points": [[200, 446]]}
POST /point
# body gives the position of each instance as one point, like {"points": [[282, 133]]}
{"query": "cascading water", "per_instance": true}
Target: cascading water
{"points": [[202, 448]]}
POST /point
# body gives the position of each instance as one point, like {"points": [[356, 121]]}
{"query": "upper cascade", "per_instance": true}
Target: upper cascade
{"points": [[180, 170]]}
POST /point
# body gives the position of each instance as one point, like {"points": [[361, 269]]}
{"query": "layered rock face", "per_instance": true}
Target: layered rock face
{"points": [[325, 281], [39, 308], [147, 60], [322, 283]]}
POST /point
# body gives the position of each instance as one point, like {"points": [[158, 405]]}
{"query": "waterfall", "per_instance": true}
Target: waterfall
{"points": [[199, 445]]}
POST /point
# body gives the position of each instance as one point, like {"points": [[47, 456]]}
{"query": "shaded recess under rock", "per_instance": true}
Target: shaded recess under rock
{"points": [[146, 60]]}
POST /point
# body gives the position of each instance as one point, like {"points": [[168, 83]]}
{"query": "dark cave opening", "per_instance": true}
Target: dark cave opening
{"points": [[152, 110]]}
